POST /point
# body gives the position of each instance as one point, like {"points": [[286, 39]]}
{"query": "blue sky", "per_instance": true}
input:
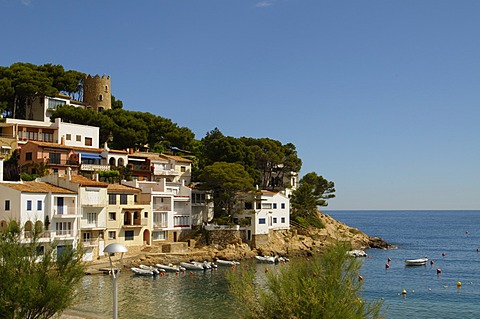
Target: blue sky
{"points": [[382, 97]]}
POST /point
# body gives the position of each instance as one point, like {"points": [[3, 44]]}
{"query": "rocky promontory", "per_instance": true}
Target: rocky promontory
{"points": [[296, 241]]}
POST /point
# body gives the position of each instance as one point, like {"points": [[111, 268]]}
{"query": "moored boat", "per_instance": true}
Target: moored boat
{"points": [[357, 253], [191, 266], [416, 262], [142, 272], [267, 259], [222, 262], [170, 268], [155, 270]]}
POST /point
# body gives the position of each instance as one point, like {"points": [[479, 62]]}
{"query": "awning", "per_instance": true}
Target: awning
{"points": [[6, 147], [91, 156]]}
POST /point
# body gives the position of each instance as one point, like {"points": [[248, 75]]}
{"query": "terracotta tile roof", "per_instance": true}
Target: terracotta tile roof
{"points": [[75, 148], [36, 187], [121, 188], [150, 156], [177, 158], [118, 151], [83, 181]]}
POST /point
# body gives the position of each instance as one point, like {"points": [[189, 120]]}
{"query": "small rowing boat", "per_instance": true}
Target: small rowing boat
{"points": [[416, 262]]}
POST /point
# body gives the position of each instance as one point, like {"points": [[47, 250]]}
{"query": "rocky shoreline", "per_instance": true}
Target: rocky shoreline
{"points": [[288, 243]]}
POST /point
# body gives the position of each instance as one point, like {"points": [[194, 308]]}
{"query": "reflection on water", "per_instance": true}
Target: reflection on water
{"points": [[197, 295]]}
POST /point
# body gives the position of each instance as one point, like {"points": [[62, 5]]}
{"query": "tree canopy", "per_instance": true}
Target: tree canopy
{"points": [[37, 281], [225, 180], [312, 191], [266, 160], [130, 129], [22, 83]]}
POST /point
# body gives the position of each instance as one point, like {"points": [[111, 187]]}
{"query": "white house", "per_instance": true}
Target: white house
{"points": [[51, 208], [270, 211], [92, 207]]}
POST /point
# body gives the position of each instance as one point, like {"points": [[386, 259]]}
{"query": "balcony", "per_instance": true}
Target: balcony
{"points": [[135, 224], [94, 167], [62, 163], [165, 172], [63, 233], [92, 242], [162, 208], [160, 225], [139, 167]]}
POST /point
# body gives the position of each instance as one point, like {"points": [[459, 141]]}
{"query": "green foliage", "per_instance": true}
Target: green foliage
{"points": [[111, 176], [28, 177], [326, 286], [130, 129], [267, 161], [37, 282], [23, 83], [225, 180], [313, 191], [308, 221]]}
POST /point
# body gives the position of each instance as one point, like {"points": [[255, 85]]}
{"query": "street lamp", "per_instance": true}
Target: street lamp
{"points": [[111, 250]]}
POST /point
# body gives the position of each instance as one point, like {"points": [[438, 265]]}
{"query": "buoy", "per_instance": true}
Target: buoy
{"points": [[404, 292], [443, 254], [439, 271], [387, 266], [459, 284], [466, 232], [191, 273], [360, 278], [176, 273], [389, 259], [431, 262]]}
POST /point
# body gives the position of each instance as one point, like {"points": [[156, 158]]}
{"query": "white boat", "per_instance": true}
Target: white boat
{"points": [[222, 262], [142, 272], [266, 259], [416, 262], [155, 270], [191, 266], [357, 253], [170, 267]]}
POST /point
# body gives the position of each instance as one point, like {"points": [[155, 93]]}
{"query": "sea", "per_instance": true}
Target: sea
{"points": [[447, 288]]}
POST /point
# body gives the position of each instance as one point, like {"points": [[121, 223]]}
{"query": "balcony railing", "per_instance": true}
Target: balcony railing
{"points": [[60, 162], [162, 207], [94, 167], [160, 225], [29, 234], [63, 233]]}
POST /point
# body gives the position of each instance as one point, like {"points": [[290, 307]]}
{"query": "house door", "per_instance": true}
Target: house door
{"points": [[175, 236]]}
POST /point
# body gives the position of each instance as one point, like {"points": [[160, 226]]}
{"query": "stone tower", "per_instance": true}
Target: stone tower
{"points": [[96, 92]]}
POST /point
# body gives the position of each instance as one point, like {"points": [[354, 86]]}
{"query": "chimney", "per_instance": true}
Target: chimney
{"points": [[69, 173]]}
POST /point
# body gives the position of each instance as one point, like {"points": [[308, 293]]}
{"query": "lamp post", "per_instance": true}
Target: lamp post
{"points": [[111, 250]]}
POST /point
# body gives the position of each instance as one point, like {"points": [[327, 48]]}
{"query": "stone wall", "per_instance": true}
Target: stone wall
{"points": [[224, 237]]}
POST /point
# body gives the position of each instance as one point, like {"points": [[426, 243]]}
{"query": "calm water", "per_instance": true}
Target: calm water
{"points": [[416, 233]]}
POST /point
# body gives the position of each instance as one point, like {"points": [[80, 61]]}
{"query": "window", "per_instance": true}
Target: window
{"points": [[248, 205], [112, 235], [274, 220], [54, 158], [39, 205], [283, 205], [7, 204], [88, 141], [28, 156], [274, 205], [91, 218], [68, 137], [183, 169], [262, 221], [129, 235], [78, 138], [145, 214], [123, 199], [283, 220], [100, 97], [112, 216], [159, 235], [29, 205], [112, 199], [106, 88]]}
